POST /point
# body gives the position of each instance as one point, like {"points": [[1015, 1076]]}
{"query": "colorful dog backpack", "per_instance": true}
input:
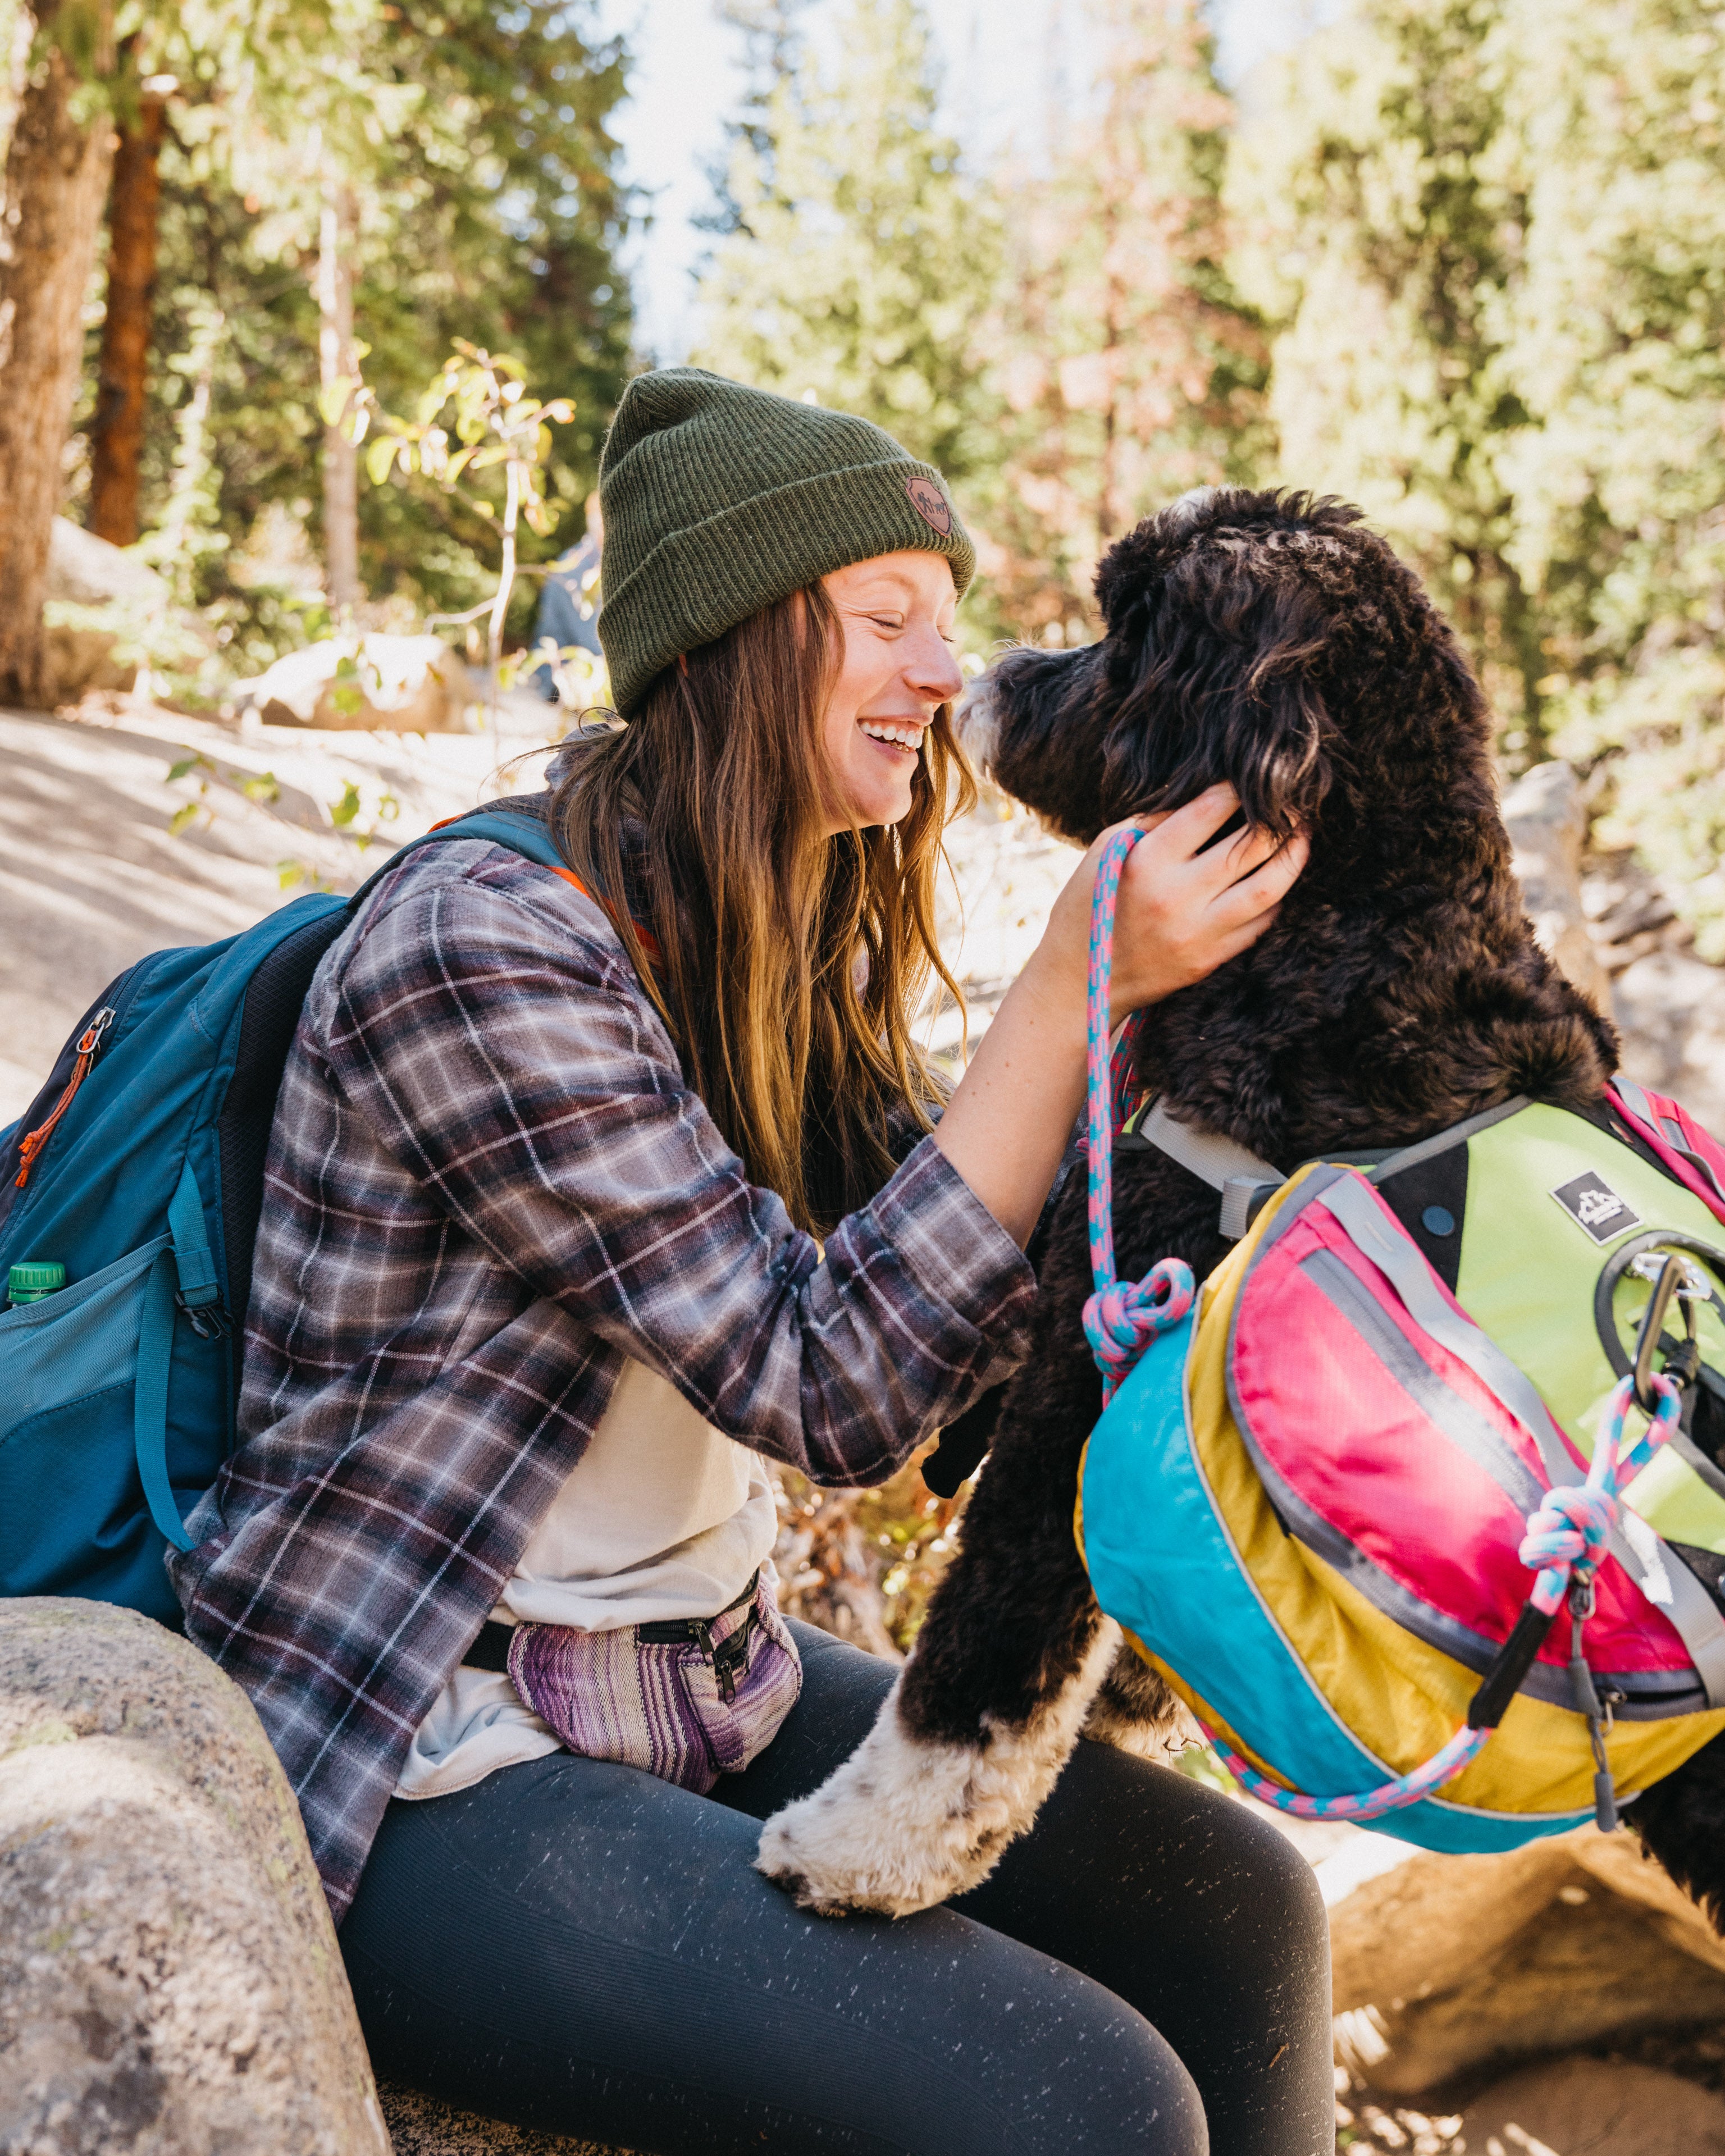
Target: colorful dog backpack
{"points": [[1404, 1500]]}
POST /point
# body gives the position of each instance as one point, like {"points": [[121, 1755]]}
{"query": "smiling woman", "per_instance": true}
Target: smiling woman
{"points": [[593, 1184], [896, 671]]}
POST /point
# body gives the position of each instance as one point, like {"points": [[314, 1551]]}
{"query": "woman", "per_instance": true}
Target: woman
{"points": [[587, 1191]]}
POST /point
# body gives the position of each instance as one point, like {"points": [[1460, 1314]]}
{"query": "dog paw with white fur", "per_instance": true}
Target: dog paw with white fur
{"points": [[904, 1824]]}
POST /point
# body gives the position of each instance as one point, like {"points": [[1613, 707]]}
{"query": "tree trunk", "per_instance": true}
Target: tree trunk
{"points": [[335, 365], [56, 179], [117, 430]]}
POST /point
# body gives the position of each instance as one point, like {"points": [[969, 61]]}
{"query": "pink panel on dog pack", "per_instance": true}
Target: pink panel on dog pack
{"points": [[1395, 1462]]}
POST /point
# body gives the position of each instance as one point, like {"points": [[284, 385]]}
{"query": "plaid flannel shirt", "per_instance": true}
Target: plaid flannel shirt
{"points": [[488, 1184]]}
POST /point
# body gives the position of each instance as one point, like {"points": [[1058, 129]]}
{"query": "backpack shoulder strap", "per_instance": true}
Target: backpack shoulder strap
{"points": [[518, 829], [524, 832], [180, 1278]]}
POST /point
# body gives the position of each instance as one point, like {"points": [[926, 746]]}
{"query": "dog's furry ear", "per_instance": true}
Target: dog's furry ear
{"points": [[1220, 621]]}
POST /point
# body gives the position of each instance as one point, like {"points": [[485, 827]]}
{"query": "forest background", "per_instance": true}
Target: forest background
{"points": [[1460, 261]]}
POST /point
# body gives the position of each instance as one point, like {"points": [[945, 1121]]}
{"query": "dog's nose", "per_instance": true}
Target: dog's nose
{"points": [[976, 720]]}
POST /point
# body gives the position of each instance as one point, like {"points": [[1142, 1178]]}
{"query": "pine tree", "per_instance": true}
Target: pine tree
{"points": [[860, 262], [477, 148], [774, 53], [1617, 351], [1128, 365], [1491, 240], [1381, 229]]}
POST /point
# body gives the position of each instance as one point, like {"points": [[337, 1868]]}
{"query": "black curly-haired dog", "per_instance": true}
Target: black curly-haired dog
{"points": [[1270, 640]]}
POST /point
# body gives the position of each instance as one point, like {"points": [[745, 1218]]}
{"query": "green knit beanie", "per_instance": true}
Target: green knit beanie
{"points": [[719, 499]]}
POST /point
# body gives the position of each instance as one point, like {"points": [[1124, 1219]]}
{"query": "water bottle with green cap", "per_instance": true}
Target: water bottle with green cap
{"points": [[32, 1282]]}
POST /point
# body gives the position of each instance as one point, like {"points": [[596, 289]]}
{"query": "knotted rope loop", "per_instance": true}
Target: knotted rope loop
{"points": [[1121, 1319], [1567, 1536]]}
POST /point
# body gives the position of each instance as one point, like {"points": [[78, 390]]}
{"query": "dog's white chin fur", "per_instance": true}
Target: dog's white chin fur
{"points": [[904, 1824]]}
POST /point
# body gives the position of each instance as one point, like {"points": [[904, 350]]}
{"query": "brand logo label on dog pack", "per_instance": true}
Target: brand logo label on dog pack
{"points": [[1590, 1201], [931, 505]]}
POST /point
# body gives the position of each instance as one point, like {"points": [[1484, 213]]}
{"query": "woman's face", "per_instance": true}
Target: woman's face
{"points": [[896, 668]]}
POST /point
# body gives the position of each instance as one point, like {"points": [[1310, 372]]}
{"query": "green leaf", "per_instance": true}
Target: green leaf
{"points": [[343, 811], [183, 815], [185, 764], [379, 457], [264, 788], [332, 401], [348, 698]]}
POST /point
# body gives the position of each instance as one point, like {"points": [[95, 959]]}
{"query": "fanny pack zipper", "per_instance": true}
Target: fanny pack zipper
{"points": [[729, 1658]]}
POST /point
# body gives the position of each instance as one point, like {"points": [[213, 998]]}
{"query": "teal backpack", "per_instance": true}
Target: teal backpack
{"points": [[130, 1196]]}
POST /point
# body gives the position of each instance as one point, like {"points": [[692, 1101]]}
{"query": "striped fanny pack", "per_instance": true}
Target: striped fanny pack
{"points": [[687, 1700]]}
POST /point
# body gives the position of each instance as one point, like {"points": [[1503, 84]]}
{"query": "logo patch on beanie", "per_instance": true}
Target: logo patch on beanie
{"points": [[931, 505]]}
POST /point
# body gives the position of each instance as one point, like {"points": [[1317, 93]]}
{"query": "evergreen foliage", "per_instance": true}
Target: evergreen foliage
{"points": [[1460, 261], [476, 142], [1619, 353], [1129, 368], [860, 263], [1062, 338], [1489, 237]]}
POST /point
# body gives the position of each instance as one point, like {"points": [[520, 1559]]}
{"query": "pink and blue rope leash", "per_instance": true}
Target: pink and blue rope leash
{"points": [[1567, 1536], [1121, 1319]]}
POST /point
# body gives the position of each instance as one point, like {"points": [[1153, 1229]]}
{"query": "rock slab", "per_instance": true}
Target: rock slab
{"points": [[1591, 2107], [391, 684], [170, 1982], [1547, 822], [1449, 1965]]}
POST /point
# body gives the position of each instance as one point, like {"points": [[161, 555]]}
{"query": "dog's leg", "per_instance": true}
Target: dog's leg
{"points": [[1681, 1823], [976, 1730], [1136, 1711]]}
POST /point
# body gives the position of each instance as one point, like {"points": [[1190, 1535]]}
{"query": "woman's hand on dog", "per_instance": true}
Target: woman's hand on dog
{"points": [[1187, 905], [1182, 911]]}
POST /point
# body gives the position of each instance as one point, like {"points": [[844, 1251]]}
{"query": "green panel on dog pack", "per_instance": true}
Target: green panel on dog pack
{"points": [[1551, 1199]]}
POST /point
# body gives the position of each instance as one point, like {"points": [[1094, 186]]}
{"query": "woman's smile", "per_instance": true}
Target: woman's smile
{"points": [[898, 736]]}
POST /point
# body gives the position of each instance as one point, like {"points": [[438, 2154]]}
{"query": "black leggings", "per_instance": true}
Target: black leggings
{"points": [[578, 1946]]}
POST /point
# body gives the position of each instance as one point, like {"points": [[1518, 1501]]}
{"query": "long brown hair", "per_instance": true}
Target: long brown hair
{"points": [[788, 963]]}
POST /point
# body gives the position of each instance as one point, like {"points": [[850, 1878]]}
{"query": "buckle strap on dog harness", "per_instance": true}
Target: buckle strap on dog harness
{"points": [[1666, 1135], [1238, 1174]]}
